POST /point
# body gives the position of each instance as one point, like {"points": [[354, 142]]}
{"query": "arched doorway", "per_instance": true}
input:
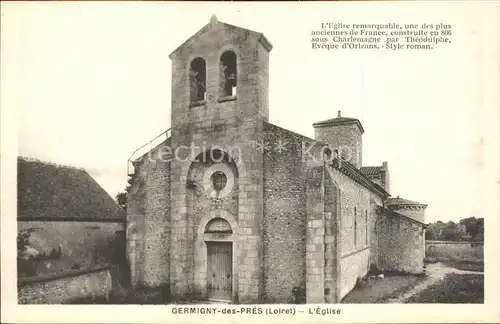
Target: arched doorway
{"points": [[212, 205], [219, 259]]}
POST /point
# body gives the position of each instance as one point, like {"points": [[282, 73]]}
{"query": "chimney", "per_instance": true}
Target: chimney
{"points": [[385, 177]]}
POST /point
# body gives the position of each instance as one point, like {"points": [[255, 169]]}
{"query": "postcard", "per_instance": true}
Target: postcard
{"points": [[239, 161]]}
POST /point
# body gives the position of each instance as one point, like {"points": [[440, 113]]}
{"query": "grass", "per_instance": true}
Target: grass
{"points": [[371, 291], [453, 289]]}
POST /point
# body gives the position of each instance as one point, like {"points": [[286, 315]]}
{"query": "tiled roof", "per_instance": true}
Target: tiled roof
{"points": [[52, 192], [371, 170], [401, 201], [396, 214], [339, 121], [358, 176]]}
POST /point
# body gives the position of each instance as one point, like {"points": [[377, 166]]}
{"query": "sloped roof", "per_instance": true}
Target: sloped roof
{"points": [[371, 170], [339, 120], [355, 174], [394, 213], [53, 192], [401, 201], [214, 21], [347, 168]]}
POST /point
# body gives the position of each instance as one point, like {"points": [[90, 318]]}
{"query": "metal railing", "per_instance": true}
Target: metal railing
{"points": [[150, 143]]}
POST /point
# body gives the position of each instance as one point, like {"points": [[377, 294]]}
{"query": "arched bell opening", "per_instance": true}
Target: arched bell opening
{"points": [[198, 79], [228, 73]]}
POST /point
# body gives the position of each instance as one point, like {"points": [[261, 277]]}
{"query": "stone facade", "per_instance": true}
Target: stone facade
{"points": [[285, 221], [148, 218], [299, 218], [402, 244]]}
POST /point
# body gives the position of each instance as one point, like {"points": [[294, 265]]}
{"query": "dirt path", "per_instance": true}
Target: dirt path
{"points": [[435, 273]]}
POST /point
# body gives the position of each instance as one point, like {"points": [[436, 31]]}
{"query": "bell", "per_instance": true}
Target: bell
{"points": [[231, 77]]}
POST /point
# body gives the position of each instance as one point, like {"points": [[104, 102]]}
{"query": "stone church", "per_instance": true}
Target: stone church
{"points": [[233, 208]]}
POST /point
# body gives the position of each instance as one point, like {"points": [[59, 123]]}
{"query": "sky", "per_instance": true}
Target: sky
{"points": [[92, 83]]}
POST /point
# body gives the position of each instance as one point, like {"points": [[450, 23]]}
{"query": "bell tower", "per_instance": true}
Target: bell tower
{"points": [[220, 87], [220, 75]]}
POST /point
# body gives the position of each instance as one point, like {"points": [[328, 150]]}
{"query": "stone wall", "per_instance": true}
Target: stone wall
{"points": [[333, 239], [358, 246], [148, 216], [339, 136], [61, 288], [401, 244], [136, 204], [82, 245], [315, 236], [249, 212], [157, 225], [284, 227], [358, 207], [205, 204], [341, 219], [289, 234], [374, 233], [355, 211], [454, 251], [353, 267], [223, 122]]}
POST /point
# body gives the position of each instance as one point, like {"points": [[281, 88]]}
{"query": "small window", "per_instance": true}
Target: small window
{"points": [[197, 78], [228, 74], [219, 180]]}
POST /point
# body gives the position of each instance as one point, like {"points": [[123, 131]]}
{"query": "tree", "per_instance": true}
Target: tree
{"points": [[450, 232], [121, 199], [474, 227], [430, 235], [432, 231]]}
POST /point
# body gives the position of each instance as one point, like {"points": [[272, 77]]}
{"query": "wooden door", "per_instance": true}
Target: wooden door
{"points": [[220, 270]]}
